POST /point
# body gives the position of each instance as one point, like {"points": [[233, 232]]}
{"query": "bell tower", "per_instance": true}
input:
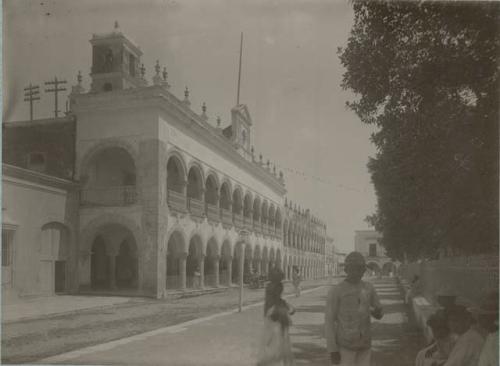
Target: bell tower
{"points": [[115, 62]]}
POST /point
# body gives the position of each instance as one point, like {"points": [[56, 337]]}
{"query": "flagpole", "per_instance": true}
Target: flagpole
{"points": [[239, 71]]}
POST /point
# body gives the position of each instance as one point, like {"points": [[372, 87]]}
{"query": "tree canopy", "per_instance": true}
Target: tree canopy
{"points": [[427, 75]]}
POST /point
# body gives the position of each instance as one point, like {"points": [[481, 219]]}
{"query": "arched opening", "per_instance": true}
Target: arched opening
{"points": [[237, 202], [373, 269], [277, 221], [256, 210], [263, 213], [175, 175], [225, 196], [54, 252], [110, 179], [211, 196], [238, 248], [278, 259], [256, 260], [247, 270], [247, 206], [225, 265], [212, 264], [175, 261], [270, 218], [195, 183], [126, 265], [388, 269], [285, 233], [290, 235], [114, 259], [271, 264], [265, 261], [99, 264], [194, 263]]}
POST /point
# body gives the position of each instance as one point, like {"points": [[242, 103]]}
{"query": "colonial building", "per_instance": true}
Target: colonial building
{"points": [[367, 243], [162, 193]]}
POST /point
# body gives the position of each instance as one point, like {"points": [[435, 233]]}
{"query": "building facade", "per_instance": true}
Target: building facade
{"points": [[367, 243], [163, 193]]}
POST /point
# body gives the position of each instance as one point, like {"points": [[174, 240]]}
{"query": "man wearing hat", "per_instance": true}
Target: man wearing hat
{"points": [[347, 315], [470, 344]]}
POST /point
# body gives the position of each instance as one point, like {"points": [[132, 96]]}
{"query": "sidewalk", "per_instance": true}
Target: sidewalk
{"points": [[231, 338], [97, 321]]}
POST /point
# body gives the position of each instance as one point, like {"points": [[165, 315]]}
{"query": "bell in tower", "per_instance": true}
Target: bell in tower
{"points": [[115, 62]]}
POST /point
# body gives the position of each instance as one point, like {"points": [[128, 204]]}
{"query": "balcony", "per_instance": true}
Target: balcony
{"points": [[213, 212], [257, 227], [196, 207], [176, 201], [247, 223], [238, 220], [109, 196], [227, 216]]}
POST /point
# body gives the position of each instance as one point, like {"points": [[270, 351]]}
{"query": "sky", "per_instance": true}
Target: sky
{"points": [[290, 81]]}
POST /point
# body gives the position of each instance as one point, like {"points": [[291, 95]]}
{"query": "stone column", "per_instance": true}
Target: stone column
{"points": [[182, 270], [216, 270], [229, 271], [258, 269]]}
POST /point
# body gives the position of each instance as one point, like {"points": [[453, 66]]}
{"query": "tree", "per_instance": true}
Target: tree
{"points": [[426, 74]]}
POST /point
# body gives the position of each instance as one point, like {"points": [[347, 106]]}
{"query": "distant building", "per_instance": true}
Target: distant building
{"points": [[367, 243], [133, 192]]}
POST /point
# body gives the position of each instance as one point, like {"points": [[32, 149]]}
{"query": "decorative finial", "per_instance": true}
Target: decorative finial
{"points": [[268, 164], [281, 174], [252, 150], [274, 169], [204, 108], [116, 25], [218, 121], [157, 67], [286, 202], [143, 71], [260, 158], [165, 74], [79, 78]]}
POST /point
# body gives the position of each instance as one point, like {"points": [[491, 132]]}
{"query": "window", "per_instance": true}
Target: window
{"points": [[36, 161], [373, 250], [7, 236]]}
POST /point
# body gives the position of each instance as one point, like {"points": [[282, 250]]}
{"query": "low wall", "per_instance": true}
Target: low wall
{"points": [[470, 278]]}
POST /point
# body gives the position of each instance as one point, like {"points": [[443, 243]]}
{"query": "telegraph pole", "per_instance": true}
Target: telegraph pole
{"points": [[239, 70], [55, 90], [31, 93]]}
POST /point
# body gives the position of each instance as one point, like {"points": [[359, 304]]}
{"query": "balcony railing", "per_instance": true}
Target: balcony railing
{"points": [[176, 201], [238, 220], [247, 223], [227, 216], [109, 196], [213, 212], [196, 207]]}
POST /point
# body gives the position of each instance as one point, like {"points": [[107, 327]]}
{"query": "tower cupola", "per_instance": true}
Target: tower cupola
{"points": [[115, 62]]}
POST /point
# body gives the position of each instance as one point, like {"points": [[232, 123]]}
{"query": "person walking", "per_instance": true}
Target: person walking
{"points": [[347, 315], [296, 278], [276, 348]]}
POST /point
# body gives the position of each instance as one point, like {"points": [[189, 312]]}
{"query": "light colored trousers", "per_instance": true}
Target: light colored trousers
{"points": [[355, 358]]}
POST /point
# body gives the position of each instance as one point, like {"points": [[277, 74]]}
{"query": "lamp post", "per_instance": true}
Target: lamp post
{"points": [[243, 240]]}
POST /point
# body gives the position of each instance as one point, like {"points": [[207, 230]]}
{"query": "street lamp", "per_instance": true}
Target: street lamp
{"points": [[243, 239]]}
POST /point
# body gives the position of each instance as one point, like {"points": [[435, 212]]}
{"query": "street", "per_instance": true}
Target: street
{"points": [[231, 338]]}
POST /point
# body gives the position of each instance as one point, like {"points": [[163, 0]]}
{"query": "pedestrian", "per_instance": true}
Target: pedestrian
{"points": [[347, 315], [414, 290], [470, 344], [276, 348], [437, 353], [296, 278]]}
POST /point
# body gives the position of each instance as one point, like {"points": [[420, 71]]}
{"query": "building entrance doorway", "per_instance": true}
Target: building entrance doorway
{"points": [[60, 276]]}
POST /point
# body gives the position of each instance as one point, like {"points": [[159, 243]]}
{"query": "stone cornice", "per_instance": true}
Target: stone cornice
{"points": [[159, 97], [36, 177]]}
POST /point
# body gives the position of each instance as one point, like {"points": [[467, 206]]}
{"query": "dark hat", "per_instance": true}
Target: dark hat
{"points": [[438, 320], [355, 258]]}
